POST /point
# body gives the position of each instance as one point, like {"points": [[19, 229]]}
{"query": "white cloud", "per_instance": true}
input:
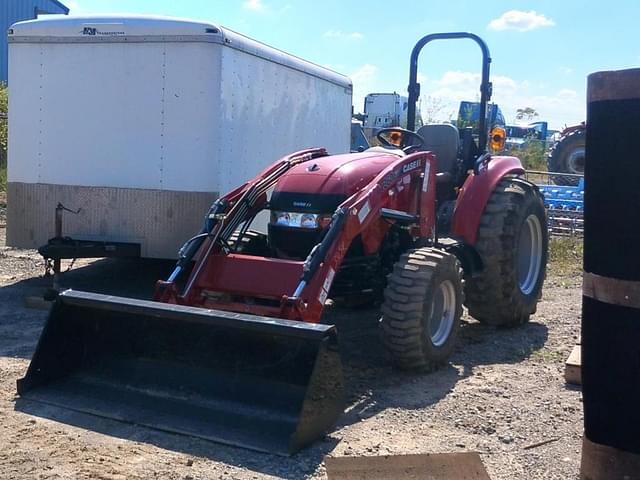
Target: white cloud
{"points": [[72, 5], [560, 107], [520, 21], [455, 78], [456, 85], [364, 82], [340, 34], [76, 8], [364, 73], [254, 5], [567, 94], [566, 70], [503, 83]]}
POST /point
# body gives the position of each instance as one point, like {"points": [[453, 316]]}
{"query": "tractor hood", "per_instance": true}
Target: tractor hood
{"points": [[320, 185]]}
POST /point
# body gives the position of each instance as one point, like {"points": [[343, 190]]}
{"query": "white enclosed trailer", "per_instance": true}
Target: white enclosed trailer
{"points": [[141, 122]]}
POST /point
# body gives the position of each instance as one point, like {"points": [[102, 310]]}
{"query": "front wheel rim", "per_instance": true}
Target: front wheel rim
{"points": [[443, 312], [529, 256]]}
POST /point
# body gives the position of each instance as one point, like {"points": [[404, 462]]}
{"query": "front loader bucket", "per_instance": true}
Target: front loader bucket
{"points": [[262, 383]]}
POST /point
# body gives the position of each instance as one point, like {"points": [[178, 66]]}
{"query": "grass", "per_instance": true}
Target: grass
{"points": [[544, 355], [565, 256], [532, 155]]}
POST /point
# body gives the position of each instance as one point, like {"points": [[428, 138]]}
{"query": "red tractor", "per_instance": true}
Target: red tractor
{"points": [[233, 348], [567, 155]]}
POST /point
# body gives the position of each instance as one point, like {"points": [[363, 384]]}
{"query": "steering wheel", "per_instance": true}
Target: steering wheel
{"points": [[396, 137]]}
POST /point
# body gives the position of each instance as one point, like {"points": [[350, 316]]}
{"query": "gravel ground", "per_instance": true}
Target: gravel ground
{"points": [[502, 392]]}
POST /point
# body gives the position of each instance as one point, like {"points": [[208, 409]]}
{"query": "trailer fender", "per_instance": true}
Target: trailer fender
{"points": [[475, 194]]}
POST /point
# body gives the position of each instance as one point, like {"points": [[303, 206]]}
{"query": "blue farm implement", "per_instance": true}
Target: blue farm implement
{"points": [[564, 203]]}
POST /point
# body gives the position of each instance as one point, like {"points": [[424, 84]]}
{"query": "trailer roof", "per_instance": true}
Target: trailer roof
{"points": [[145, 28]]}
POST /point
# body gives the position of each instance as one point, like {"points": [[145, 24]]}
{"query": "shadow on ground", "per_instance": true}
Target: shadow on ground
{"points": [[20, 326], [372, 385]]}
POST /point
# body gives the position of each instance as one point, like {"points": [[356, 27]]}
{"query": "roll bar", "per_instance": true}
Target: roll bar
{"points": [[485, 85]]}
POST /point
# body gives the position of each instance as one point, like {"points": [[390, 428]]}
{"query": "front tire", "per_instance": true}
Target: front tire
{"points": [[422, 309], [512, 243]]}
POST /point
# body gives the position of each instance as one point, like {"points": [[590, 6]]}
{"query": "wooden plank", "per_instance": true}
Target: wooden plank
{"points": [[573, 367], [426, 466]]}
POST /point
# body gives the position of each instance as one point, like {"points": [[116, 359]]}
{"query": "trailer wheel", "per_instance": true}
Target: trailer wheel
{"points": [[512, 243], [567, 156], [422, 308], [252, 243]]}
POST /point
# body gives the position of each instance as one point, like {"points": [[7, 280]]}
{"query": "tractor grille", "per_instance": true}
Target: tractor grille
{"points": [[294, 243]]}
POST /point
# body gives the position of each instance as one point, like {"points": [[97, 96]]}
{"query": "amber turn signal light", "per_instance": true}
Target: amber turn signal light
{"points": [[497, 139]]}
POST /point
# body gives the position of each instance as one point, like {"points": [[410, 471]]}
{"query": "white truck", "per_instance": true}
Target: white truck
{"points": [[138, 123], [382, 110]]}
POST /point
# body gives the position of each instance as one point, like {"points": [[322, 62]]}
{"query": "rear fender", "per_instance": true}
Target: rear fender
{"points": [[475, 193]]}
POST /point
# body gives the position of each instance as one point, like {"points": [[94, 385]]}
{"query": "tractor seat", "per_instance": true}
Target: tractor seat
{"points": [[443, 139]]}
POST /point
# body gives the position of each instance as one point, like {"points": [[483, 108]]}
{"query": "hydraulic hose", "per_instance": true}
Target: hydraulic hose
{"points": [[320, 251]]}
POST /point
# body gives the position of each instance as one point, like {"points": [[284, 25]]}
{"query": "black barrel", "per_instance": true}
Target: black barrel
{"points": [[263, 383], [611, 290]]}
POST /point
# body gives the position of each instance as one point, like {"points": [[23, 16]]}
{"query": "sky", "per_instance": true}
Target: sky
{"points": [[542, 52]]}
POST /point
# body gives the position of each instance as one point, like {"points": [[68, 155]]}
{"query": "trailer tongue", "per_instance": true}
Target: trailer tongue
{"points": [[262, 383]]}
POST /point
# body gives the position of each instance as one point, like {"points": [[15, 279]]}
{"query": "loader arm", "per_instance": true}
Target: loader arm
{"points": [[244, 283], [224, 216], [364, 211]]}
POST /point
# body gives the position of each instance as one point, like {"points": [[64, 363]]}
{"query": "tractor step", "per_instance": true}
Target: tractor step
{"points": [[403, 218]]}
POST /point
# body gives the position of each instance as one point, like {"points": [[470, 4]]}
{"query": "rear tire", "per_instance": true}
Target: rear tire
{"points": [[567, 156], [422, 309], [512, 243]]}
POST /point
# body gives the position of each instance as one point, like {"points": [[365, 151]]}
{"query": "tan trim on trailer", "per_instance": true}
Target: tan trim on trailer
{"points": [[624, 293], [159, 220]]}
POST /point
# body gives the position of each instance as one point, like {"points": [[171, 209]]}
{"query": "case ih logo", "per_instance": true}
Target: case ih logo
{"points": [[410, 166]]}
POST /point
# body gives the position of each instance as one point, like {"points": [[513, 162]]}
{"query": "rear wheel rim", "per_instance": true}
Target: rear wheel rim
{"points": [[575, 161], [529, 255], [443, 311]]}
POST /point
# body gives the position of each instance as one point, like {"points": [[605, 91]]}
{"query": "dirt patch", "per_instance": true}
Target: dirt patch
{"points": [[503, 392]]}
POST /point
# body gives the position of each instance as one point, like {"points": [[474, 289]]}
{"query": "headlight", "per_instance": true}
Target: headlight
{"points": [[281, 218], [300, 220]]}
